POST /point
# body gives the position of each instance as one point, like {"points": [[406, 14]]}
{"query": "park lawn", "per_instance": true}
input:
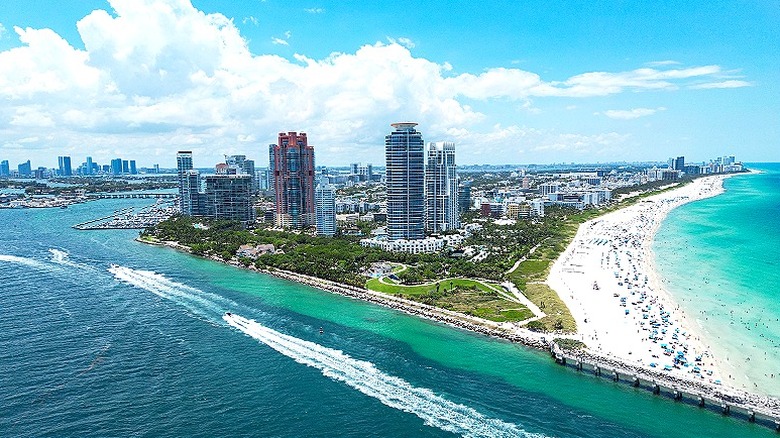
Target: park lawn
{"points": [[398, 289], [470, 297], [481, 304]]}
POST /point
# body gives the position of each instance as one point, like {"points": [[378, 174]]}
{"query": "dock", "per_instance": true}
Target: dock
{"points": [[130, 219], [132, 195]]}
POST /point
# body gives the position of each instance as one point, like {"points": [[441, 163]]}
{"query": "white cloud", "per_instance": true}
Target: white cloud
{"points": [[406, 42], [661, 63], [279, 41], [723, 84], [314, 10], [632, 113], [250, 20], [3, 31], [156, 75]]}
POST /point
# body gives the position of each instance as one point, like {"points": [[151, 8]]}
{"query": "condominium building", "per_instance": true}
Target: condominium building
{"points": [[464, 196], [183, 166], [292, 165], [405, 182], [441, 188], [325, 199], [228, 197]]}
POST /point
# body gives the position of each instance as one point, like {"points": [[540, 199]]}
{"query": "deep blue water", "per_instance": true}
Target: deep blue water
{"points": [[143, 351]]}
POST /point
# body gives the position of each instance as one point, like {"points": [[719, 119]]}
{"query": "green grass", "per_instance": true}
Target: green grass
{"points": [[534, 269], [570, 344], [398, 289], [460, 295], [558, 316]]}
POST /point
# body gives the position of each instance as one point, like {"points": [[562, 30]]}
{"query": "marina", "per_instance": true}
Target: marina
{"points": [[132, 218]]}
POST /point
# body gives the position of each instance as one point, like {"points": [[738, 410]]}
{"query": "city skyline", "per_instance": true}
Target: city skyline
{"points": [[550, 84]]}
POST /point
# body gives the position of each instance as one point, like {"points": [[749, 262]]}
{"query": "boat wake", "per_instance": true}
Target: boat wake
{"points": [[198, 302], [63, 258], [392, 391], [363, 376], [26, 262]]}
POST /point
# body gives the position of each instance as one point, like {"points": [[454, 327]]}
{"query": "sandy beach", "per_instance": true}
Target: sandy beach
{"points": [[607, 279]]}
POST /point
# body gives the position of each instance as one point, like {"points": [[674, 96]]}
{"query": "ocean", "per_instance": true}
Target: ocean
{"points": [[103, 336], [720, 258]]}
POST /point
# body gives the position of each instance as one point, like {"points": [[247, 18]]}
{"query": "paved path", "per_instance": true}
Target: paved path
{"points": [[524, 258]]}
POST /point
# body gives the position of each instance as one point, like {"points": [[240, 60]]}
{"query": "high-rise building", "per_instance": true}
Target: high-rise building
{"points": [[441, 188], [325, 198], [405, 180], [65, 166], [125, 167], [24, 169], [5, 168], [271, 180], [243, 167], [464, 196], [190, 197], [116, 166], [679, 163], [183, 166], [133, 168], [90, 166], [228, 197], [292, 160]]}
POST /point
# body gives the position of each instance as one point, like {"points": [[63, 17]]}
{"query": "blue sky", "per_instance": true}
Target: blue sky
{"points": [[517, 82]]}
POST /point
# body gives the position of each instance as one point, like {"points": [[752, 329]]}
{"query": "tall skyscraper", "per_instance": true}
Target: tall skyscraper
{"points": [[183, 166], [441, 188], [116, 166], [5, 168], [90, 166], [405, 180], [65, 166], [271, 180], [133, 168], [325, 198], [125, 167], [25, 169], [292, 160]]}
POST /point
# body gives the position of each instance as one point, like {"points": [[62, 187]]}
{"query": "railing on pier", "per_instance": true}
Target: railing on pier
{"points": [[684, 395]]}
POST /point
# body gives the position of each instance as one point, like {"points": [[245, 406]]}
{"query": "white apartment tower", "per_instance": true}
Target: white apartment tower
{"points": [[325, 202], [441, 188]]}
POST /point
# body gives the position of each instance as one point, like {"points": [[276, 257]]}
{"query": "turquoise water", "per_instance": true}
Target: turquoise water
{"points": [[104, 336], [721, 260]]}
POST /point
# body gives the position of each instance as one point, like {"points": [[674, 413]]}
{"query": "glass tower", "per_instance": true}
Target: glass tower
{"points": [[405, 180], [441, 188], [184, 165]]}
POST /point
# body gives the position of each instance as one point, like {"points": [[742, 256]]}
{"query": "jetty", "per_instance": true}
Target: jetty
{"points": [[749, 407]]}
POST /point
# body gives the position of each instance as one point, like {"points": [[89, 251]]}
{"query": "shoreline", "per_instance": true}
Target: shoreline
{"points": [[510, 332], [608, 279]]}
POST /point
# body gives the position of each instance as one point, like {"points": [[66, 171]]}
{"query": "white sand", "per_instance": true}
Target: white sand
{"points": [[609, 260]]}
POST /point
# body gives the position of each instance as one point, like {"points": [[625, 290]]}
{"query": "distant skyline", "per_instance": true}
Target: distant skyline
{"points": [[536, 82]]}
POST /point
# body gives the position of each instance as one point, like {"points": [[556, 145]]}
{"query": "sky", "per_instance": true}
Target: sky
{"points": [[508, 81]]}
